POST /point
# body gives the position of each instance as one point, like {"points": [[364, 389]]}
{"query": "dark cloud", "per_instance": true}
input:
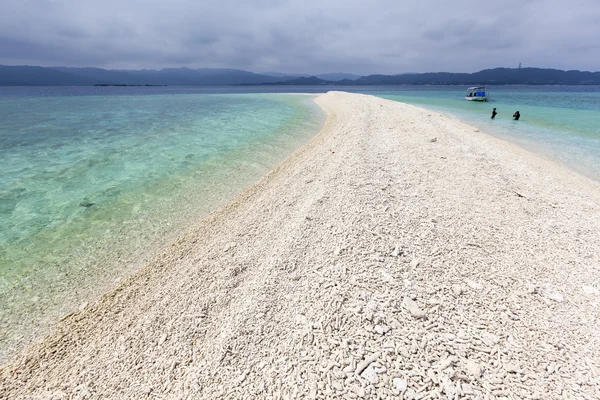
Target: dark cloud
{"points": [[376, 36]]}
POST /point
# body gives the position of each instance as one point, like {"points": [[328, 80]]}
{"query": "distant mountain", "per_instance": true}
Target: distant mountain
{"points": [[496, 76], [337, 76], [62, 76], [99, 75], [281, 74], [38, 76], [171, 76], [303, 81], [334, 77]]}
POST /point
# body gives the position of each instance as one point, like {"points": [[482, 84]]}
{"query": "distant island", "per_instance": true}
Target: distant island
{"points": [[122, 84], [68, 76], [496, 76]]}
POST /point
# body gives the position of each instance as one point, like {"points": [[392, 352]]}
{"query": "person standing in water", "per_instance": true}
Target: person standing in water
{"points": [[517, 115], [494, 113]]}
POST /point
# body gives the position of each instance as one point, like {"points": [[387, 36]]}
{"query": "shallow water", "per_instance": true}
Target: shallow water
{"points": [[93, 181], [92, 185], [561, 123]]}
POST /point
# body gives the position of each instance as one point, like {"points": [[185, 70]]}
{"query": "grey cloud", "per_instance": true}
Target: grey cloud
{"points": [[379, 36], [201, 40], [69, 32]]}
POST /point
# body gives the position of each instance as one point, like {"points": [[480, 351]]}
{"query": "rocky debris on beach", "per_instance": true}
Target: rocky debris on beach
{"points": [[413, 278]]}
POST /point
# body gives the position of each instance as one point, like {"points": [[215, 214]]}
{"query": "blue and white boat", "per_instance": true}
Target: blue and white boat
{"points": [[477, 93]]}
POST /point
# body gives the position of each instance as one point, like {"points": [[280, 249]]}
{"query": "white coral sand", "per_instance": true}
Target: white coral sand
{"points": [[375, 263]]}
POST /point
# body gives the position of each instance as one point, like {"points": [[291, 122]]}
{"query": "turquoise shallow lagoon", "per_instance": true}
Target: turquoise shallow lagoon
{"points": [[557, 122], [92, 185], [94, 181]]}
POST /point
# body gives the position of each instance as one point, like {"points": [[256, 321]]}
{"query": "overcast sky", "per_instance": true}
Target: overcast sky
{"points": [[308, 36]]}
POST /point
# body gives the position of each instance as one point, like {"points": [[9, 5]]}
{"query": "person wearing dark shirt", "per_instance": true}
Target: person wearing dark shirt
{"points": [[494, 113], [517, 115]]}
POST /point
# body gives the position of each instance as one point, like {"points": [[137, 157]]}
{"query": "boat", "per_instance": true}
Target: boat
{"points": [[477, 93]]}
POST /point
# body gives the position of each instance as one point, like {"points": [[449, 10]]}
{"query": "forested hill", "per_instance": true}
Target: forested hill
{"points": [[67, 76], [496, 76], [61, 76]]}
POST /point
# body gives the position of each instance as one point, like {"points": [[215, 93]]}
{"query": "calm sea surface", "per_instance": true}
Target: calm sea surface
{"points": [[558, 122], [93, 181]]}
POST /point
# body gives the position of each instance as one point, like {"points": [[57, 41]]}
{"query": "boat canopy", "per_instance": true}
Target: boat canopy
{"points": [[477, 91]]}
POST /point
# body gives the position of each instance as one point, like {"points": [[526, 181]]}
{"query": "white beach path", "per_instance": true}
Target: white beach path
{"points": [[400, 254]]}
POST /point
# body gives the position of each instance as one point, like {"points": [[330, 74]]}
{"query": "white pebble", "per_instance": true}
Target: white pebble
{"points": [[413, 308], [473, 369], [555, 296], [590, 290], [473, 285], [382, 329], [400, 385], [370, 375], [366, 362]]}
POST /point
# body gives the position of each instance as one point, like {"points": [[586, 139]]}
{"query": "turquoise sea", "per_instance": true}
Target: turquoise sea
{"points": [[557, 122], [94, 181]]}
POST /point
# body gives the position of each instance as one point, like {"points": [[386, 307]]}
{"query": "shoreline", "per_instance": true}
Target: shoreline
{"points": [[514, 146], [86, 263], [441, 262], [528, 148], [551, 125]]}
